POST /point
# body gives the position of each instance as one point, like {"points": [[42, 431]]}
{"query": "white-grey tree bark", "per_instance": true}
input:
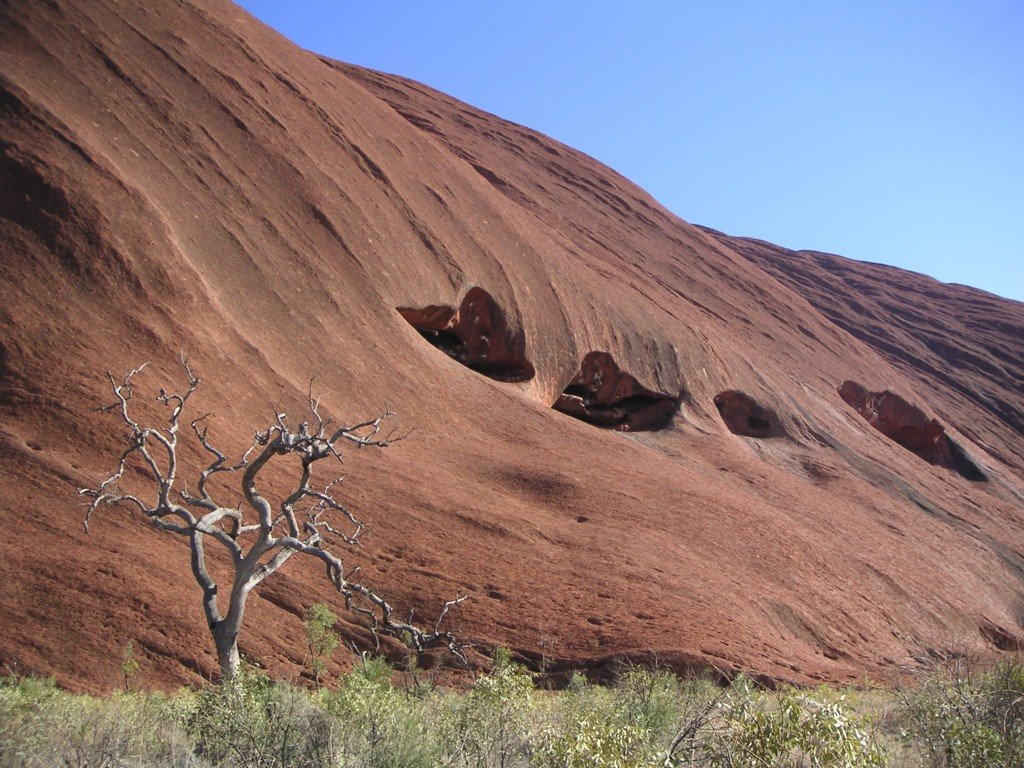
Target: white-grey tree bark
{"points": [[259, 536]]}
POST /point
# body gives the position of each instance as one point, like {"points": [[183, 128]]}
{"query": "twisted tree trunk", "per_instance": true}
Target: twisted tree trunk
{"points": [[276, 533]]}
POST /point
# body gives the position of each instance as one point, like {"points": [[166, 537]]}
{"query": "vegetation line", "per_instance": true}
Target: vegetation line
{"points": [[374, 718]]}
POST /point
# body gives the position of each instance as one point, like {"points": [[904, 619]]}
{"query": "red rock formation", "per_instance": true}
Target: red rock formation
{"points": [[602, 394], [434, 319], [177, 175], [908, 426], [743, 416], [952, 340], [477, 335]]}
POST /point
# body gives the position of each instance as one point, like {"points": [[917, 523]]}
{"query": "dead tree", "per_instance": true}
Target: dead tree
{"points": [[258, 535]]}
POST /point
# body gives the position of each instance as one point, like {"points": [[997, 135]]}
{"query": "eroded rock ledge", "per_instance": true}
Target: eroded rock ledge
{"points": [[908, 426], [745, 416], [604, 395], [476, 335]]}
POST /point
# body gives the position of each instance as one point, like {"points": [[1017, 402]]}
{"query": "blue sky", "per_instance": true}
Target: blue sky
{"points": [[882, 131]]}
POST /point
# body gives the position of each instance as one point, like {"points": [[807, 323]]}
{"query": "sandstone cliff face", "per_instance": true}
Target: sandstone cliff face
{"points": [[958, 342], [583, 373]]}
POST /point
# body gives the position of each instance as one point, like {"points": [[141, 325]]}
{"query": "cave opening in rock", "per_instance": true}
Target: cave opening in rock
{"points": [[964, 465], [477, 335], [754, 424], [909, 426], [604, 395], [745, 416], [447, 341]]}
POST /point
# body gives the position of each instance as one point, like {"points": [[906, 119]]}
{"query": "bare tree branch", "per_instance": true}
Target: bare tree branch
{"points": [[258, 548]]}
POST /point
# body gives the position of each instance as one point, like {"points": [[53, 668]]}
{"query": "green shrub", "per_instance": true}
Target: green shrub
{"points": [[501, 722], [489, 726], [959, 717], [788, 729], [321, 641], [250, 721], [129, 665], [592, 741], [41, 725], [378, 725], [650, 699], [617, 727], [23, 704]]}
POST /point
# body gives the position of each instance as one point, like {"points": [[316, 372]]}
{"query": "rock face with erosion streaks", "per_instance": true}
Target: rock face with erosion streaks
{"points": [[604, 395], [176, 174], [909, 426]]}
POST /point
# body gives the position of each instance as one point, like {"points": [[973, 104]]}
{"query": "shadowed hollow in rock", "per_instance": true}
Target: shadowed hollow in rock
{"points": [[908, 426], [476, 335], [604, 395], [744, 416]]}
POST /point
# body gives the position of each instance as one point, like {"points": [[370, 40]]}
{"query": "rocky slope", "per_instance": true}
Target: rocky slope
{"points": [[961, 341], [628, 437]]}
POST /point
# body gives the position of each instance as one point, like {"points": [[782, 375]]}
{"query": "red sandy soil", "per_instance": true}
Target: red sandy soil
{"points": [[178, 176]]}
